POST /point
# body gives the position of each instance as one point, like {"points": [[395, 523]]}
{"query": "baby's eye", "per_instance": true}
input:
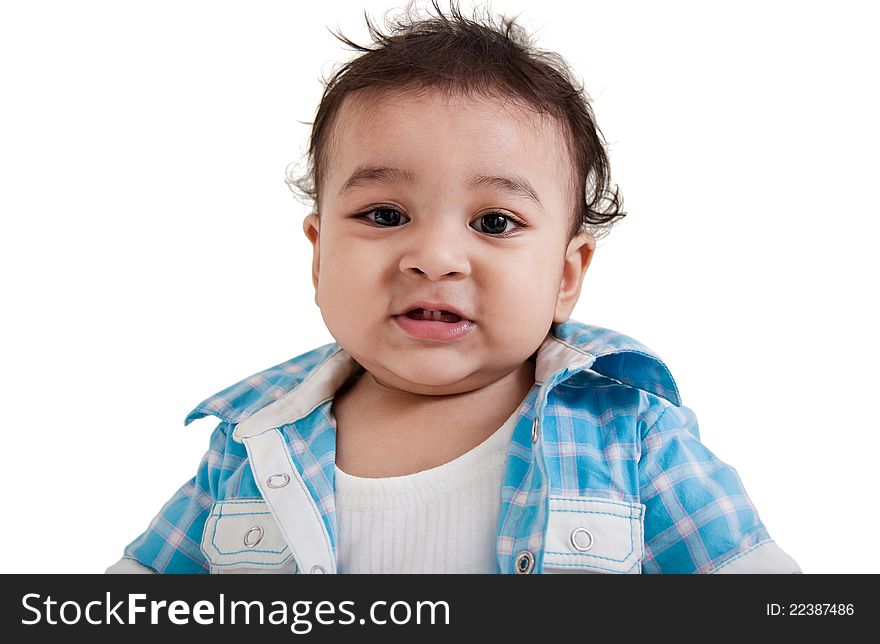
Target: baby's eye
{"points": [[385, 216], [496, 223]]}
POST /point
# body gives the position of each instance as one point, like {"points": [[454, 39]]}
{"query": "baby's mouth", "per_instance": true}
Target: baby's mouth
{"points": [[434, 316]]}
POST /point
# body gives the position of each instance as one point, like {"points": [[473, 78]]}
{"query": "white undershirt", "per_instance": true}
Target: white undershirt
{"points": [[441, 520]]}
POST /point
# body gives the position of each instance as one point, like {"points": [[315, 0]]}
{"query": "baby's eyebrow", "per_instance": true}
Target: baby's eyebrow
{"points": [[511, 184]]}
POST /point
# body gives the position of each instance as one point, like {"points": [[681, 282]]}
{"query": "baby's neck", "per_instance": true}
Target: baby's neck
{"points": [[505, 392], [382, 431]]}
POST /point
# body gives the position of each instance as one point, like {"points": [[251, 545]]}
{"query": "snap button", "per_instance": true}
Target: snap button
{"points": [[278, 480], [317, 570], [535, 430], [582, 539], [253, 536], [525, 561]]}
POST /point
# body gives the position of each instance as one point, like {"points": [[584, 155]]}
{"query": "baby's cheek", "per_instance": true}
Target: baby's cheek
{"points": [[538, 286], [529, 303]]}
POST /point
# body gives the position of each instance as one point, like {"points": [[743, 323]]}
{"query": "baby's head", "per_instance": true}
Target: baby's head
{"points": [[453, 167]]}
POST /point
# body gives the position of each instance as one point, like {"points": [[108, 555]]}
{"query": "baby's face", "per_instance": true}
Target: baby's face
{"points": [[431, 234]]}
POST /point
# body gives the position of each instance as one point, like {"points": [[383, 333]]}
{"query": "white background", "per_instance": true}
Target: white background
{"points": [[153, 255]]}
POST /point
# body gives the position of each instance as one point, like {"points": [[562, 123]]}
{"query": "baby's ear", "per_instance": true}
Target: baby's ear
{"points": [[578, 256], [312, 230]]}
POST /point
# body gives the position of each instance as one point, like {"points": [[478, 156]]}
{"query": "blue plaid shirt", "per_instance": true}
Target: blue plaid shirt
{"points": [[605, 470]]}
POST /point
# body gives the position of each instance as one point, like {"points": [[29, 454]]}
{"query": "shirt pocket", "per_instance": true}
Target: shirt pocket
{"points": [[594, 535], [241, 536]]}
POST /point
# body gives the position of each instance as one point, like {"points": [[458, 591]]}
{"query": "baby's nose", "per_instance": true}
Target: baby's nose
{"points": [[435, 257]]}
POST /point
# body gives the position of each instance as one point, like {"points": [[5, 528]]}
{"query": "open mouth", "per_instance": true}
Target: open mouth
{"points": [[435, 325], [433, 316]]}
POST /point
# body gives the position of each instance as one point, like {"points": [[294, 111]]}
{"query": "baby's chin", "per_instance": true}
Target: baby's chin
{"points": [[427, 380]]}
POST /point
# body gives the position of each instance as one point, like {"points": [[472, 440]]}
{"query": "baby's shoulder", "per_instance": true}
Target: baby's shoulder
{"points": [[588, 357], [249, 395]]}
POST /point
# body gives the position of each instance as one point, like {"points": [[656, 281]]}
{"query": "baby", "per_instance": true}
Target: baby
{"points": [[461, 422]]}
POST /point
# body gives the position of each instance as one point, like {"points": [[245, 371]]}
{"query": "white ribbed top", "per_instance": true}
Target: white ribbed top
{"points": [[441, 520]]}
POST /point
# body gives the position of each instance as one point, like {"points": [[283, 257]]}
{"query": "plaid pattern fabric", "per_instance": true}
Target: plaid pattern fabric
{"points": [[610, 425]]}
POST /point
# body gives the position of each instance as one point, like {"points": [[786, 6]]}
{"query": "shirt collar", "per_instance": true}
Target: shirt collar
{"points": [[293, 389]]}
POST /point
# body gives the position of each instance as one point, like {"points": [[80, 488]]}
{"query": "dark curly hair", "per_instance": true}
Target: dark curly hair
{"points": [[459, 56]]}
